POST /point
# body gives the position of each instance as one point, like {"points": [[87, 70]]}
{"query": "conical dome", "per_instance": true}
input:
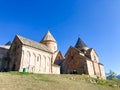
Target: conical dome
{"points": [[48, 37], [80, 44], [50, 42]]}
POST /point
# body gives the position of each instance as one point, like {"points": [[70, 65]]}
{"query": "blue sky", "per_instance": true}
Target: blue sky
{"points": [[97, 22]]}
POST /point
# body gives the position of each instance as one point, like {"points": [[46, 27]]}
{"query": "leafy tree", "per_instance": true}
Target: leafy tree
{"points": [[111, 75]]}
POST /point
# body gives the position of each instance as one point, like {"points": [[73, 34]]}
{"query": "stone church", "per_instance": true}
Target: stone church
{"points": [[83, 60], [35, 57], [44, 57]]}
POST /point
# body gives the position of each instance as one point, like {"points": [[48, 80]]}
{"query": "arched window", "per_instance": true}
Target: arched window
{"points": [[44, 63], [22, 61], [39, 61], [34, 59], [48, 64], [27, 61]]}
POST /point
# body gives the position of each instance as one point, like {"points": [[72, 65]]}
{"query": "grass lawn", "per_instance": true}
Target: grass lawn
{"points": [[21, 81]]}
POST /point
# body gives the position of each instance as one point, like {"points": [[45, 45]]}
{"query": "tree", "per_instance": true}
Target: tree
{"points": [[111, 75]]}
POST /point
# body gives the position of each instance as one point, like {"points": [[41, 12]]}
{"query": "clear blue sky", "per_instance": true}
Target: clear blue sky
{"points": [[97, 22]]}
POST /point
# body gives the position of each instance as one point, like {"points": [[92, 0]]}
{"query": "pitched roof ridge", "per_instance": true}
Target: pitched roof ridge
{"points": [[26, 38], [33, 43]]}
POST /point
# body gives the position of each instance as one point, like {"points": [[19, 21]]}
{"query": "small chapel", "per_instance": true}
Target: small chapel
{"points": [[25, 55]]}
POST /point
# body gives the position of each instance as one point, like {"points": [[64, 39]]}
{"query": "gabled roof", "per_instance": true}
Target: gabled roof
{"points": [[48, 37], [33, 44], [77, 50], [8, 43], [90, 50], [71, 47], [80, 44]]}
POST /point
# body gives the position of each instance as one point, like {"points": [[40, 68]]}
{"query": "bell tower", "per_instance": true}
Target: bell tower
{"points": [[50, 42]]}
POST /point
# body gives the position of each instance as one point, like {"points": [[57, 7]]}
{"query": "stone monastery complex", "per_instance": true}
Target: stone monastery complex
{"points": [[25, 55]]}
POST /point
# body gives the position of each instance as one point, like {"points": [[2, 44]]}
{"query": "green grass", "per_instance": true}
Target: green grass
{"points": [[29, 81]]}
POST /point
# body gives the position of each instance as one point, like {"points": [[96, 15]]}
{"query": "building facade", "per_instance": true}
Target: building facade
{"points": [[44, 57], [4, 57], [33, 56], [83, 60]]}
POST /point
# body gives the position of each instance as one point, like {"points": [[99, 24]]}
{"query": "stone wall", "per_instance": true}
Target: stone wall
{"points": [[3, 56], [74, 62], [97, 69], [35, 60], [103, 76], [55, 69], [15, 53], [90, 68], [94, 56]]}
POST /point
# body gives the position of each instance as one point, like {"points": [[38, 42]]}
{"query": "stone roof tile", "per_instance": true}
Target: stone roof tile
{"points": [[33, 44]]}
